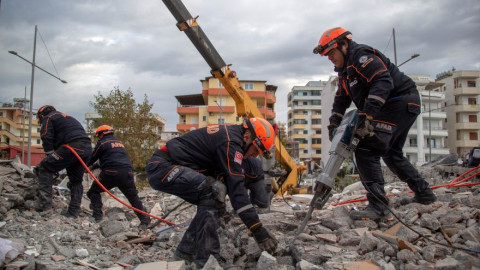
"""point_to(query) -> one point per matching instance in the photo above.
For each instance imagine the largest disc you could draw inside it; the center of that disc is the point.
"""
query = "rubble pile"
(331, 240)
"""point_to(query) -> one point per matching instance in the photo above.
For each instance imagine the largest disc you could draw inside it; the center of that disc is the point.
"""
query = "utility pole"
(394, 46)
(30, 115)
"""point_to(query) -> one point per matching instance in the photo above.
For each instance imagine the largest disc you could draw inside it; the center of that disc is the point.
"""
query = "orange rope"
(454, 183)
(109, 193)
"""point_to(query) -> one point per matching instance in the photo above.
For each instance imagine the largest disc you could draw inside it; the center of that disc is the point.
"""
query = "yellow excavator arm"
(244, 105)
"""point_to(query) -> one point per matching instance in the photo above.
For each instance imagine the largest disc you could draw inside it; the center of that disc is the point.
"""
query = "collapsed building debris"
(443, 235)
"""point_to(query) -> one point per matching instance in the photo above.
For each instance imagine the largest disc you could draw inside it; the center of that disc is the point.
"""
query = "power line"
(48, 52)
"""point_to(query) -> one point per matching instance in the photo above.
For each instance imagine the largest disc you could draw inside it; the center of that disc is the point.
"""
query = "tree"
(133, 122)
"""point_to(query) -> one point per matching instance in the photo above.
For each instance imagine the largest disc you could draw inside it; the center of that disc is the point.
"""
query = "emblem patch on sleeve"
(238, 157)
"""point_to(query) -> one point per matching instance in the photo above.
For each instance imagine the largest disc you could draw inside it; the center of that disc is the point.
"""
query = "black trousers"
(201, 238)
(61, 159)
(123, 180)
(391, 128)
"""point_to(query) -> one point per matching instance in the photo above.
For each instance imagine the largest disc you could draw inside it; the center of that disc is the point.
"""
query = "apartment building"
(215, 105)
(305, 119)
(14, 127)
(462, 96)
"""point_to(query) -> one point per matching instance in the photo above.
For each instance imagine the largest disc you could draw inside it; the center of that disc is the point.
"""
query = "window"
(316, 102)
(1, 114)
(248, 86)
(316, 141)
(413, 142)
(204, 118)
(471, 84)
(305, 132)
(318, 131)
(472, 118)
(221, 120)
(38, 130)
(305, 151)
(237, 119)
(304, 94)
(431, 142)
(473, 136)
(305, 103)
(38, 141)
(472, 101)
(318, 151)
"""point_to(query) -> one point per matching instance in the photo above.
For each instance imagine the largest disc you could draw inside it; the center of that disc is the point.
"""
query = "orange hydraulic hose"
(454, 183)
(109, 193)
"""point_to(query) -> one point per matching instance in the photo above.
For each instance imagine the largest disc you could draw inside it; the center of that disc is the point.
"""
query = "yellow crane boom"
(244, 105)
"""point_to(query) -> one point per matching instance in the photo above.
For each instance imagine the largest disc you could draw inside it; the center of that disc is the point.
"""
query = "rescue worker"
(110, 155)
(188, 166)
(57, 130)
(388, 104)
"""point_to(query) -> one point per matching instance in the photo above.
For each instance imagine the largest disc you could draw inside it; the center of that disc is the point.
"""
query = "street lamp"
(411, 57)
(31, 91)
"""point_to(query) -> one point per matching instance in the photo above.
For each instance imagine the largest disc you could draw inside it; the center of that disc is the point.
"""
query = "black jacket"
(217, 150)
(59, 129)
(368, 79)
(111, 153)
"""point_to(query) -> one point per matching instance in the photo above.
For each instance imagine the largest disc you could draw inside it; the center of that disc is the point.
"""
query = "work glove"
(265, 240)
(364, 128)
(332, 128)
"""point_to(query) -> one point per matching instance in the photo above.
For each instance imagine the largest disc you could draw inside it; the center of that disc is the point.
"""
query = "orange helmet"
(103, 130)
(263, 133)
(44, 110)
(330, 39)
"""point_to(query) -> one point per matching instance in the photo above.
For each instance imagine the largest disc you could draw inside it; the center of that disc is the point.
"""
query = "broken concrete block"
(305, 265)
(367, 243)
(429, 221)
(447, 264)
(267, 262)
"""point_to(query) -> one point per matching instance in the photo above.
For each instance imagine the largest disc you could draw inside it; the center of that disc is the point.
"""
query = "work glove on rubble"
(331, 131)
(364, 127)
(265, 240)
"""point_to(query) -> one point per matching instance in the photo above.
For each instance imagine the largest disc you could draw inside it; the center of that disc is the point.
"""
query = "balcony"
(187, 110)
(267, 113)
(468, 125)
(466, 91)
(467, 108)
(316, 145)
(186, 127)
(225, 109)
(434, 115)
(466, 74)
(468, 144)
(316, 126)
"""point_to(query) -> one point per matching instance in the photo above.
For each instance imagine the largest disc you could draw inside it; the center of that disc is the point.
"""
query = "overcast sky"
(97, 45)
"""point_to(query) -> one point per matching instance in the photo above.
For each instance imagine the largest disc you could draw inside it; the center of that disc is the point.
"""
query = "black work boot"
(182, 256)
(369, 213)
(67, 214)
(425, 197)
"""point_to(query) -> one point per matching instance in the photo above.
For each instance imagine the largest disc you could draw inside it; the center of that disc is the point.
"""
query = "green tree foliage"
(133, 122)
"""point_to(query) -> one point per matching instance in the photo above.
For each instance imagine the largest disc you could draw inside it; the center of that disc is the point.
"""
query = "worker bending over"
(188, 167)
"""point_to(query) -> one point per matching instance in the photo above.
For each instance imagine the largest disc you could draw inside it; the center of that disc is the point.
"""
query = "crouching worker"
(185, 166)
(116, 172)
(58, 130)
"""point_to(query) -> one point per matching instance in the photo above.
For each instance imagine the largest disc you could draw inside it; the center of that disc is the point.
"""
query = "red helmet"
(264, 135)
(103, 130)
(44, 110)
(330, 39)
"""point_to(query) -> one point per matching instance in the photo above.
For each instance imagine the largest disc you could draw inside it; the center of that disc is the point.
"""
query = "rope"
(109, 193)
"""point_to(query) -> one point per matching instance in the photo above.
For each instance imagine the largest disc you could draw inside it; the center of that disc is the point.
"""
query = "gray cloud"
(97, 45)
